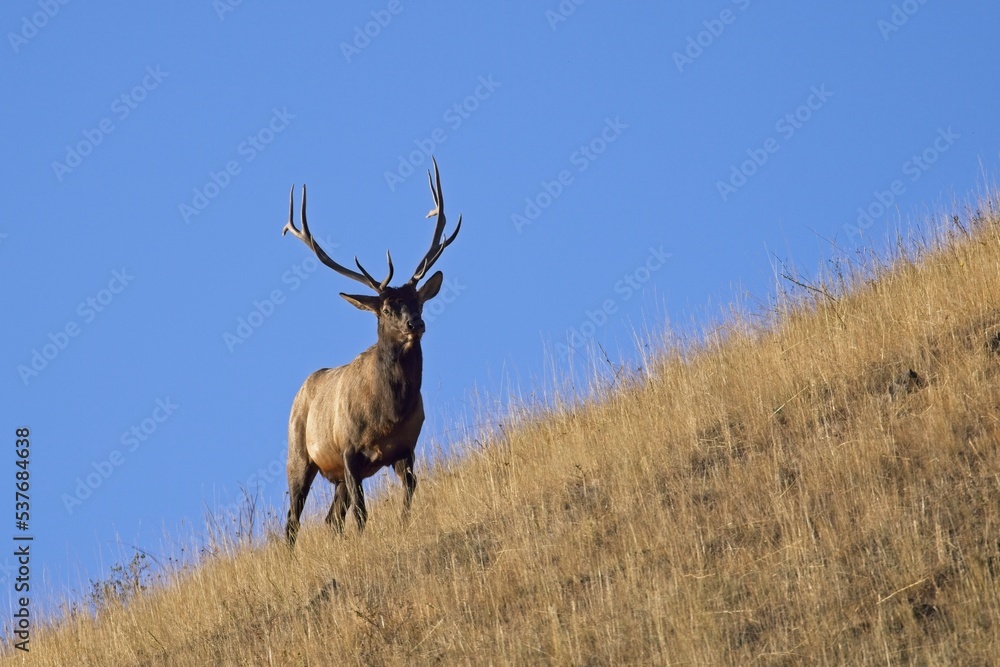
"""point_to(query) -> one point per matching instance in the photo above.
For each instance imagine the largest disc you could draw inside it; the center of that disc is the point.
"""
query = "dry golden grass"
(788, 495)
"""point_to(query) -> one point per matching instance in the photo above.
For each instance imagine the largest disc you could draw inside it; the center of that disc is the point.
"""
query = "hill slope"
(824, 491)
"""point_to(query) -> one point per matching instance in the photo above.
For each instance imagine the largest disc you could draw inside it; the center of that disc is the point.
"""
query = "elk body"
(347, 423)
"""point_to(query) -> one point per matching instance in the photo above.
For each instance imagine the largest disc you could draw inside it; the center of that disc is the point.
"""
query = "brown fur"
(347, 423)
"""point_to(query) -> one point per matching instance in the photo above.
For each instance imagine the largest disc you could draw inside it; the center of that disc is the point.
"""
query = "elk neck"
(400, 367)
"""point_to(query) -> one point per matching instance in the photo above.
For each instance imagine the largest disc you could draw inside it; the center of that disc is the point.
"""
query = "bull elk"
(349, 422)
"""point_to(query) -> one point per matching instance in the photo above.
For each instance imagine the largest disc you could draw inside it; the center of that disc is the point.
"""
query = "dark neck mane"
(400, 368)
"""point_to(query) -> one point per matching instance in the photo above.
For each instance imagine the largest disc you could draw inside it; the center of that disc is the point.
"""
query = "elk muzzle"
(415, 327)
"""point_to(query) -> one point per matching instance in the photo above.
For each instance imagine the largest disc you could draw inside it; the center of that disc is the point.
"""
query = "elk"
(351, 421)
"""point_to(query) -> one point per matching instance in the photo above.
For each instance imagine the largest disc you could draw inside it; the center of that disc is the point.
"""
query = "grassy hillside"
(822, 490)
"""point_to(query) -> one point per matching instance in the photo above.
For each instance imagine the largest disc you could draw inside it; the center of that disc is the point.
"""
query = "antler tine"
(306, 237)
(435, 189)
(290, 225)
(429, 261)
(385, 283)
(434, 252)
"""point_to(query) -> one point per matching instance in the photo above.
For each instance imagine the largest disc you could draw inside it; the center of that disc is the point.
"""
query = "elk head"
(398, 309)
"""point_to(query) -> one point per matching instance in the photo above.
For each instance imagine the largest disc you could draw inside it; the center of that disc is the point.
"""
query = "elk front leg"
(338, 508)
(301, 474)
(352, 480)
(404, 470)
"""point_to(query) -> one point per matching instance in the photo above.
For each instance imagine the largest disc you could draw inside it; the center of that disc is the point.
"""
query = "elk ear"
(431, 287)
(362, 301)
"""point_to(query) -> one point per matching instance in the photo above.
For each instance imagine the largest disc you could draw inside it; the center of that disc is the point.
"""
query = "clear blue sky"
(624, 164)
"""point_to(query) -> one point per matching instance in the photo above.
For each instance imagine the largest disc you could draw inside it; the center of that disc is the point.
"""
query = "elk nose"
(416, 326)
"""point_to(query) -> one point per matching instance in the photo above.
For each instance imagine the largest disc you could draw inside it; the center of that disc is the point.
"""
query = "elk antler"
(436, 246)
(306, 237)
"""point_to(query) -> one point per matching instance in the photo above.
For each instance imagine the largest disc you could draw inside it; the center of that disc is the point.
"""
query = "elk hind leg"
(301, 474)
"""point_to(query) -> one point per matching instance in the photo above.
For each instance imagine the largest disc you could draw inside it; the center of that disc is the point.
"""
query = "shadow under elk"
(349, 422)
